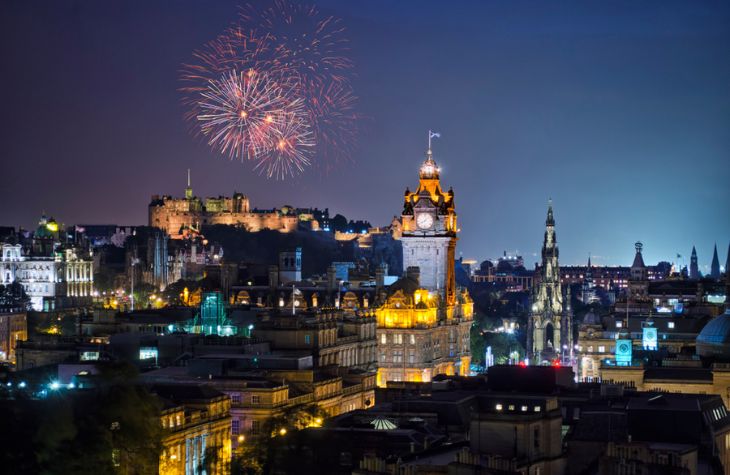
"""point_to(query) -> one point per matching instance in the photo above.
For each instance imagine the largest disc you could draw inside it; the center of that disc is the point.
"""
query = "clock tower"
(429, 232)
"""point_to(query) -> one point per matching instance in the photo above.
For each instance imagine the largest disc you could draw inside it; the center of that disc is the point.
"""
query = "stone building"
(52, 273)
(332, 336)
(13, 328)
(177, 216)
(196, 425)
(424, 323)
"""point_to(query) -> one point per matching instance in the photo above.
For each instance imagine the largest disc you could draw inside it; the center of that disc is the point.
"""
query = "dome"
(714, 339)
(381, 423)
(46, 228)
(429, 169)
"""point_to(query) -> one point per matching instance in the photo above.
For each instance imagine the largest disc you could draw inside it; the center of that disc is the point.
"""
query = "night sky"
(618, 110)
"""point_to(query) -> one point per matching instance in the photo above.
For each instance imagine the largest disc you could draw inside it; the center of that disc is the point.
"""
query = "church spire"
(715, 266)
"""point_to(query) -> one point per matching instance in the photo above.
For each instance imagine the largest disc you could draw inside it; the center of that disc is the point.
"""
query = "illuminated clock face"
(424, 221)
(623, 348)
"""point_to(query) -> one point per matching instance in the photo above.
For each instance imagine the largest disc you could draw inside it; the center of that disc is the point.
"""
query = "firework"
(303, 45)
(235, 50)
(334, 120)
(241, 112)
(293, 146)
(274, 88)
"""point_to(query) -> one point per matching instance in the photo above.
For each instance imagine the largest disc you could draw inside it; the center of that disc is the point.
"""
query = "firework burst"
(275, 88)
(293, 146)
(240, 113)
(304, 45)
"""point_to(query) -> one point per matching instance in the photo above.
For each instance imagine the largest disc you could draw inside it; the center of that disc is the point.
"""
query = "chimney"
(380, 276)
(332, 278)
(414, 272)
(273, 276)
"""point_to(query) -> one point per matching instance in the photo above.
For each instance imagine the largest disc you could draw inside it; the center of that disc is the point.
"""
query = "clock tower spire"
(429, 230)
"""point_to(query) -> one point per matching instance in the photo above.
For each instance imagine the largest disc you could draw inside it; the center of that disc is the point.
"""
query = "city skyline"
(641, 156)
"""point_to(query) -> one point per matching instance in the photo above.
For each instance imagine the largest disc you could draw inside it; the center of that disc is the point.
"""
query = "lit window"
(601, 349)
(619, 324)
(511, 407)
(537, 408)
(524, 408)
(383, 339)
(498, 407)
(307, 339)
(670, 324)
(413, 339)
(255, 399)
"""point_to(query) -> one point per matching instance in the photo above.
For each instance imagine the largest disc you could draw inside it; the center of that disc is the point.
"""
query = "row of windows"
(397, 339)
(511, 407)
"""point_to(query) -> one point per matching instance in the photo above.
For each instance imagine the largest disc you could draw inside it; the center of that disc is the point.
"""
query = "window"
(413, 339)
(511, 407)
(601, 349)
(397, 356)
(236, 398)
(537, 408)
(235, 426)
(255, 427)
(412, 357)
(398, 338)
(255, 399)
(383, 357)
(307, 339)
(524, 408)
(383, 339)
(670, 324)
(498, 407)
(619, 324)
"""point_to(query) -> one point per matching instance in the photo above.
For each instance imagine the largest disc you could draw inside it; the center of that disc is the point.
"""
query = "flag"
(433, 134)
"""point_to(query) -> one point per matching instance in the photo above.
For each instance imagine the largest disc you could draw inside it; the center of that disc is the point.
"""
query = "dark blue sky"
(618, 110)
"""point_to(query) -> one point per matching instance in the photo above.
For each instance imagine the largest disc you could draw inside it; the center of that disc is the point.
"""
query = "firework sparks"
(240, 113)
(305, 45)
(274, 88)
(292, 148)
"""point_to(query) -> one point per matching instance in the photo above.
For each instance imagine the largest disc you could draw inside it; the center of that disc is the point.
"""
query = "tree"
(339, 223)
(84, 432)
(13, 295)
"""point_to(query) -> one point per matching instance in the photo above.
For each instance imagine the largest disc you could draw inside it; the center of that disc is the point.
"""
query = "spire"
(589, 261)
(638, 258)
(550, 221)
(715, 266)
(189, 189)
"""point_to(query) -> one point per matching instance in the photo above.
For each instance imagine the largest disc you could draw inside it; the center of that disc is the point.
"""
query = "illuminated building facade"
(196, 425)
(50, 273)
(423, 324)
(550, 322)
(13, 328)
(178, 215)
